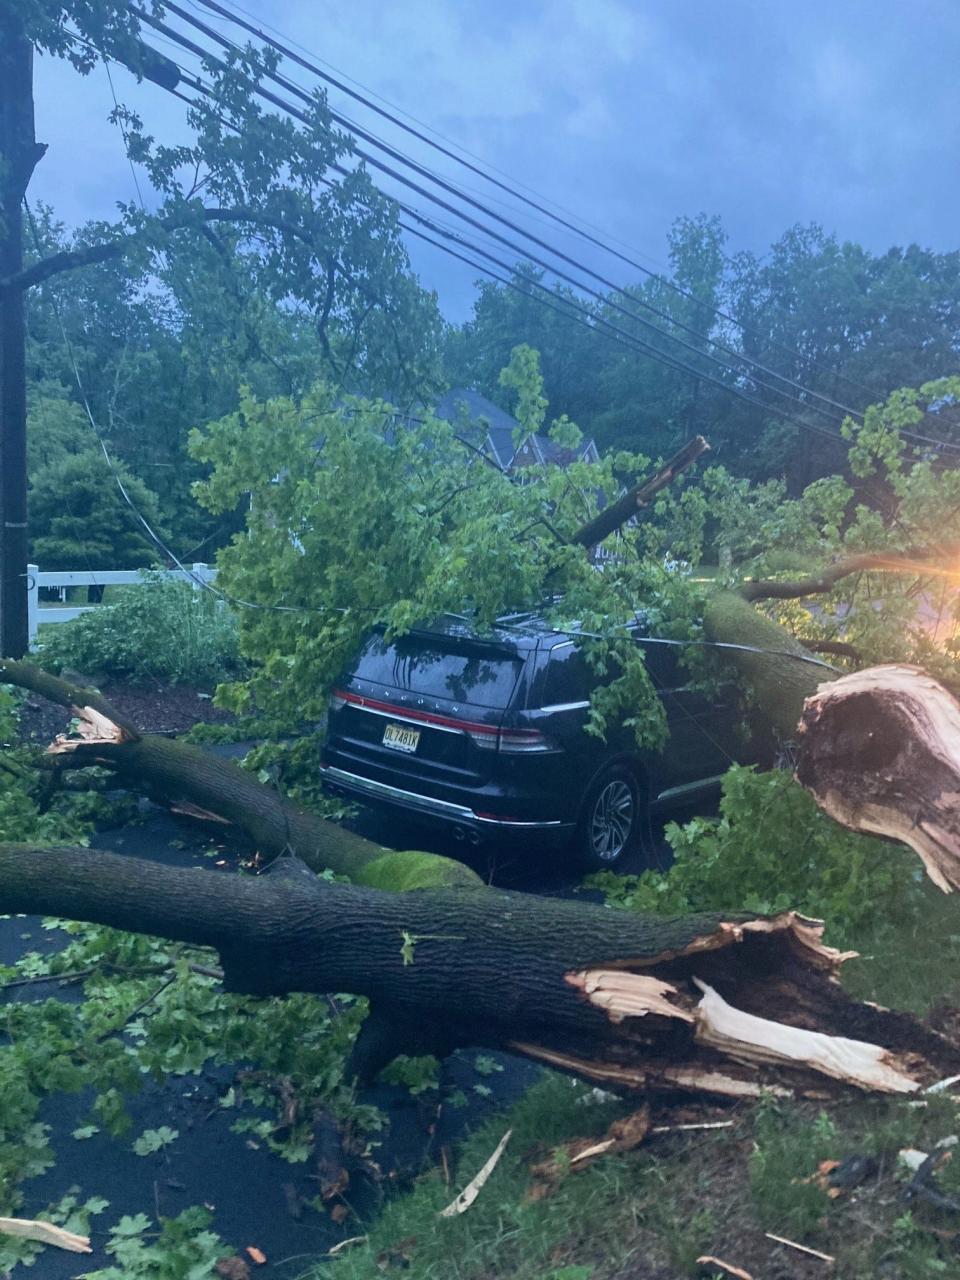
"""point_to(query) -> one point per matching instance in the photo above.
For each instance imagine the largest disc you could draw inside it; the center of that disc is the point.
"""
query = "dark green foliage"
(162, 629)
(834, 317)
(80, 520)
(771, 849)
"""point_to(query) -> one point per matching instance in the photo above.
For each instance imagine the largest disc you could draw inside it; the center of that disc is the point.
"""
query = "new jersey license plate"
(400, 738)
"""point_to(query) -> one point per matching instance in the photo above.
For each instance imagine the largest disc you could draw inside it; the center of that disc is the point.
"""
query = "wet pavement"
(257, 1198)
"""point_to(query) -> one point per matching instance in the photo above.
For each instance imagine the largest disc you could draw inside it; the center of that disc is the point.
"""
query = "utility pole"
(19, 153)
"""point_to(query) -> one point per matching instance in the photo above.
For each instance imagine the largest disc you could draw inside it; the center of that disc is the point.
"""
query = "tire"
(613, 820)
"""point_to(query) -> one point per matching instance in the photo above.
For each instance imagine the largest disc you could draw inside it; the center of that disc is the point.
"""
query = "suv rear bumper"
(456, 815)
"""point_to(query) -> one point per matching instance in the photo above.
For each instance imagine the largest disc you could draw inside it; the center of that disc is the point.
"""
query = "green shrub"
(771, 849)
(160, 629)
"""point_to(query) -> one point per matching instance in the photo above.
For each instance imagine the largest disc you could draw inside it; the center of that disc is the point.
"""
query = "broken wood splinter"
(45, 1233)
(800, 1248)
(473, 1188)
(708, 1260)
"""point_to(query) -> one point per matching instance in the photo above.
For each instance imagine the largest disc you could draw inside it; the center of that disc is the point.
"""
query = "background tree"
(83, 520)
(264, 255)
(845, 323)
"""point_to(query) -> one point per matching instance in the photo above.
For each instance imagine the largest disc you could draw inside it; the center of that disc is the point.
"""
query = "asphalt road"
(250, 1191)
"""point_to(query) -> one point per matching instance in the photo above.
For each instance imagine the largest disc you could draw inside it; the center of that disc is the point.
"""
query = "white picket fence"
(60, 579)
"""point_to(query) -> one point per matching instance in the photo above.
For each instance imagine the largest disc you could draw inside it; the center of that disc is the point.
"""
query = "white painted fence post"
(33, 602)
(204, 573)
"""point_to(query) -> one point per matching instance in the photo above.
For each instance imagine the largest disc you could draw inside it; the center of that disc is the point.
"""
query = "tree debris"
(45, 1233)
(624, 1134)
(349, 1243)
(473, 1188)
(728, 1269)
(920, 1186)
(800, 1248)
(880, 753)
(748, 1038)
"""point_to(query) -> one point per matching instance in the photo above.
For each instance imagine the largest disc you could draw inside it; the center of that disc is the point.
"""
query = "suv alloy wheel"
(613, 818)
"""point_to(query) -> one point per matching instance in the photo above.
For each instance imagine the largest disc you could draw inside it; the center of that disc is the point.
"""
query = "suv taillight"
(489, 737)
(515, 741)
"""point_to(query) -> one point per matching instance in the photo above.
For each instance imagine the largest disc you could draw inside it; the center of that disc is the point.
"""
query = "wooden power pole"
(19, 153)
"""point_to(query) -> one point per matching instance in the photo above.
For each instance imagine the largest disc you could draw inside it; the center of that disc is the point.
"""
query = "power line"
(595, 323)
(290, 109)
(311, 66)
(457, 193)
(578, 312)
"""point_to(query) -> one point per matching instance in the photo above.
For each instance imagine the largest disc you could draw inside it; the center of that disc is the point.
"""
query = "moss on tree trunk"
(781, 676)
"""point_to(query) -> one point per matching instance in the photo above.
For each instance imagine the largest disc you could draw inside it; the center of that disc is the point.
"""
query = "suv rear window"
(440, 671)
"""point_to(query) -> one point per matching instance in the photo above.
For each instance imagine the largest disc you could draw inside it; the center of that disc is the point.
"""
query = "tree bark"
(920, 560)
(16, 281)
(722, 1003)
(778, 671)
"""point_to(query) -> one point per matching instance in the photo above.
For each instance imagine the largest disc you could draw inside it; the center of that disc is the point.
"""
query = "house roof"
(500, 426)
(501, 429)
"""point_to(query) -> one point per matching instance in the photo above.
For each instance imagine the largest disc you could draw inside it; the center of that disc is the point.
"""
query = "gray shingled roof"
(500, 428)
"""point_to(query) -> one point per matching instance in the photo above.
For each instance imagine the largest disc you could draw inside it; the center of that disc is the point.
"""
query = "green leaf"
(152, 1140)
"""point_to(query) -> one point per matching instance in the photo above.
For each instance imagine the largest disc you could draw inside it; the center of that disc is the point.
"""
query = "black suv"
(485, 734)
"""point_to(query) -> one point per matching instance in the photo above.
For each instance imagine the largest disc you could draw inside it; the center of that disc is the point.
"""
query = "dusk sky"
(626, 112)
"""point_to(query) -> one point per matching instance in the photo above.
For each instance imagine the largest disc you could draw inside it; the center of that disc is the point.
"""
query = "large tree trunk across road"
(724, 1004)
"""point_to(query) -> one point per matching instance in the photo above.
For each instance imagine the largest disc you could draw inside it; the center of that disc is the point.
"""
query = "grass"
(649, 1214)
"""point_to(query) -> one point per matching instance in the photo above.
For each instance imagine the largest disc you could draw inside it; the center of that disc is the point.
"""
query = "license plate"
(400, 738)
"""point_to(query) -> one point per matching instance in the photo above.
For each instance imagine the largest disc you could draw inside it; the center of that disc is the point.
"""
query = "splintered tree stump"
(719, 1004)
(880, 753)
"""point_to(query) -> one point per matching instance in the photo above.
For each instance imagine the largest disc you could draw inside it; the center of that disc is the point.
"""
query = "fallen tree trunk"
(611, 518)
(779, 672)
(192, 781)
(723, 1003)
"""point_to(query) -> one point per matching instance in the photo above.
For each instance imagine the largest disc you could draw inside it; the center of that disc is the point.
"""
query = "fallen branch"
(922, 560)
(513, 971)
(619, 512)
(190, 780)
